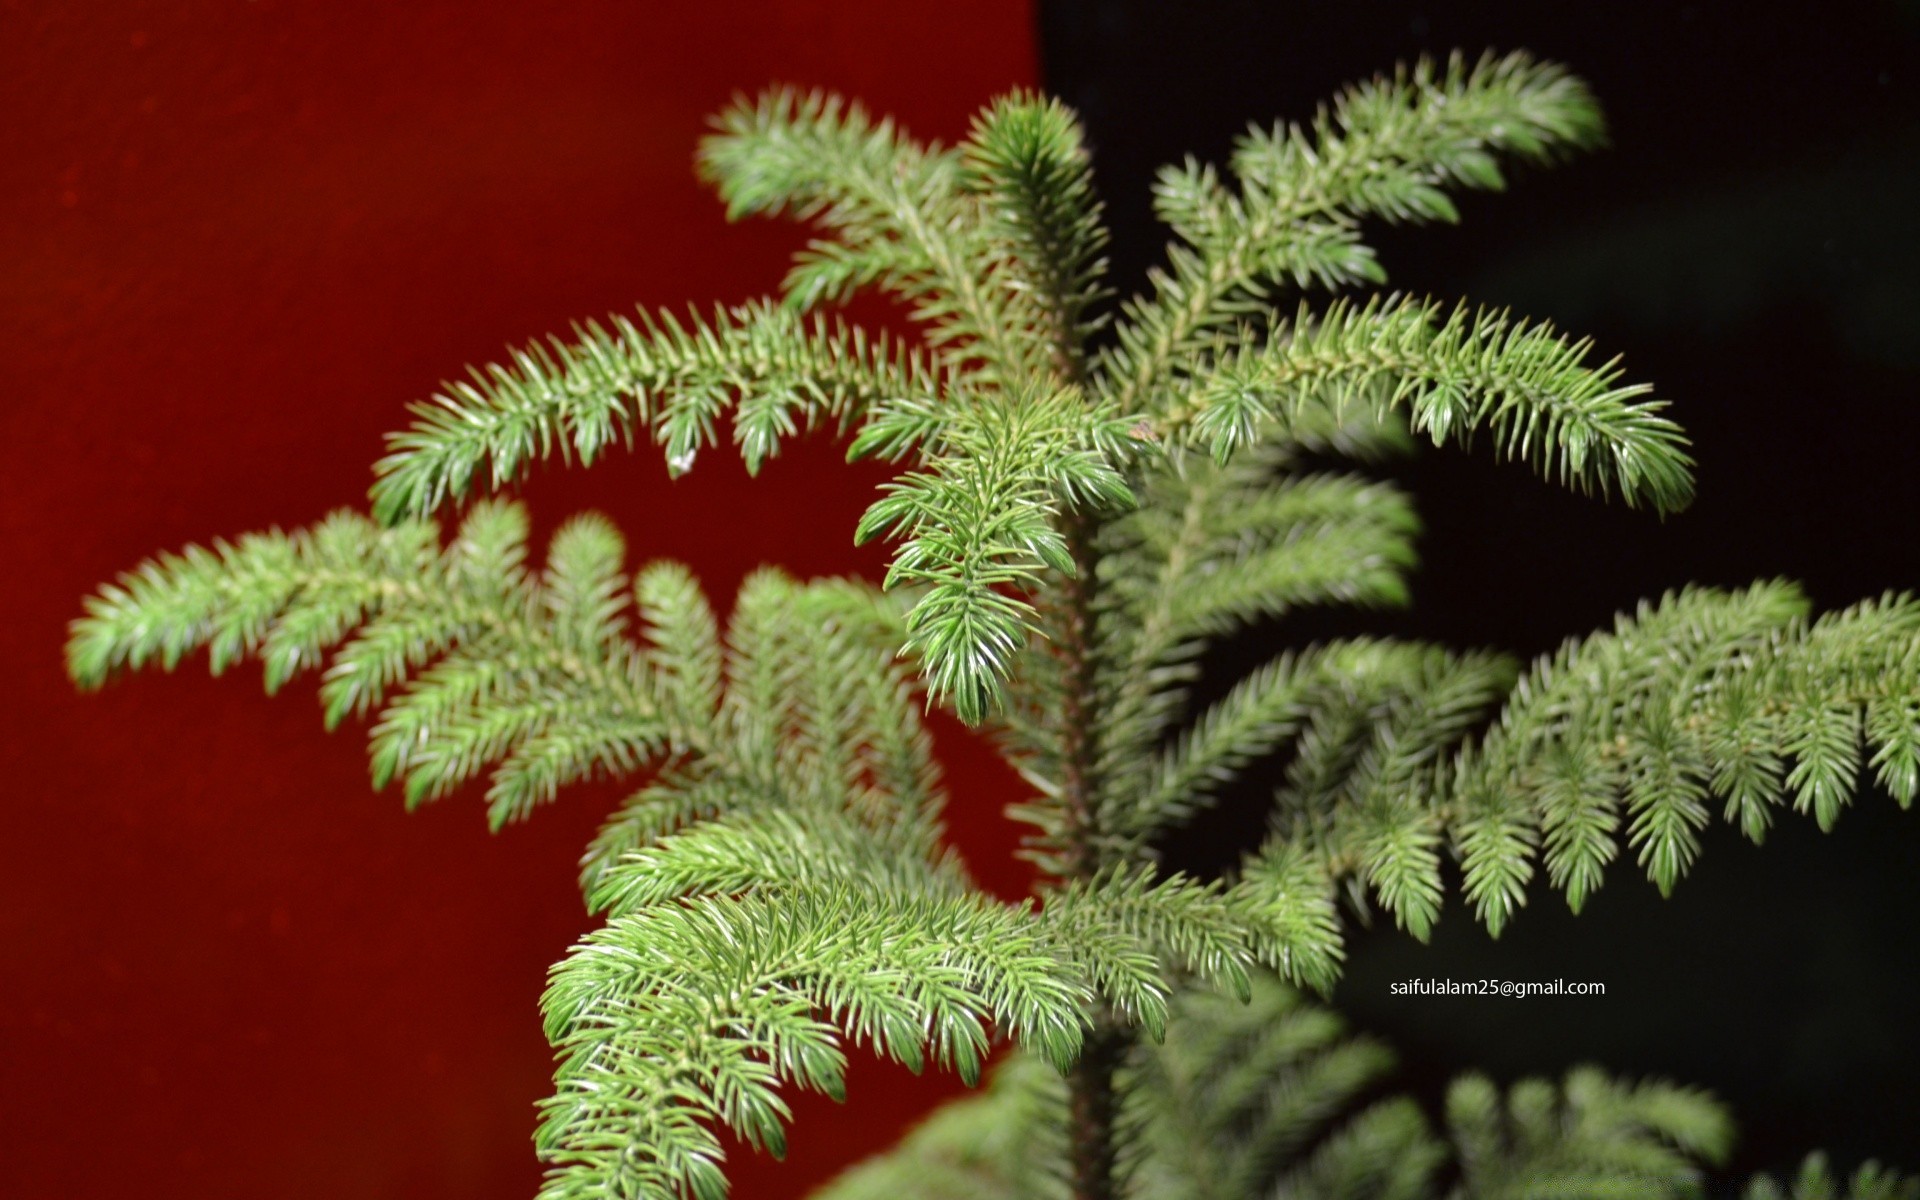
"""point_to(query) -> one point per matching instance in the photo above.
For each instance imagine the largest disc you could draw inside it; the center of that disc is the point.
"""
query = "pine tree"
(1088, 493)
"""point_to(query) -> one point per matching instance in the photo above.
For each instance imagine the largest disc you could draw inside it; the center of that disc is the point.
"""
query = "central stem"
(1092, 1104)
(1092, 1108)
(1077, 750)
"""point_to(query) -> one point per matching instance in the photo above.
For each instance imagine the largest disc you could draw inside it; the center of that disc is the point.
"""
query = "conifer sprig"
(1134, 932)
(1027, 160)
(1738, 697)
(900, 215)
(675, 1017)
(1592, 1136)
(1300, 538)
(1456, 374)
(981, 524)
(1241, 1091)
(532, 676)
(1387, 148)
(774, 371)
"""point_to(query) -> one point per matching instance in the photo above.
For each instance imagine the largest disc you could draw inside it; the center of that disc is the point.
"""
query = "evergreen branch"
(1264, 1099)
(1364, 793)
(779, 371)
(534, 675)
(1026, 732)
(1815, 1181)
(1286, 896)
(1200, 294)
(1387, 148)
(798, 655)
(1130, 619)
(999, 1144)
(1026, 159)
(1708, 694)
(766, 849)
(550, 742)
(1358, 795)
(1270, 540)
(826, 271)
(1494, 837)
(1384, 1153)
(1259, 714)
(827, 708)
(1240, 1090)
(780, 885)
(562, 729)
(820, 157)
(817, 719)
(1134, 932)
(843, 694)
(858, 674)
(537, 679)
(583, 588)
(1592, 1136)
(230, 598)
(487, 558)
(1374, 719)
(1398, 703)
(1053, 724)
(1394, 843)
(548, 716)
(980, 522)
(685, 638)
(764, 662)
(898, 211)
(1359, 562)
(678, 1017)
(1528, 386)
(681, 796)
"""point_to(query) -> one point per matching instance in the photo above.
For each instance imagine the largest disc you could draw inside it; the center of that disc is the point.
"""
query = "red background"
(239, 238)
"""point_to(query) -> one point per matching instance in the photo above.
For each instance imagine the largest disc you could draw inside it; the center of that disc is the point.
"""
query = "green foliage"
(1592, 1136)
(1027, 161)
(981, 520)
(1241, 1095)
(902, 215)
(1708, 695)
(1134, 933)
(1816, 1181)
(776, 371)
(995, 246)
(473, 660)
(1274, 1096)
(1087, 496)
(1388, 148)
(678, 1014)
(1455, 373)
(1002, 1143)
(787, 852)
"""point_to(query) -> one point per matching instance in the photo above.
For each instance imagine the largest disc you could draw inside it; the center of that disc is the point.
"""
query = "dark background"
(1749, 245)
(241, 237)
